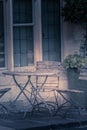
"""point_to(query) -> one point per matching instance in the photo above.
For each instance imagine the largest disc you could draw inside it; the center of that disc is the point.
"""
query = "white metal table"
(35, 91)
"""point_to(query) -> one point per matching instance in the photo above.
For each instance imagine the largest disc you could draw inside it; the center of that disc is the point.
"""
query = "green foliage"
(74, 61)
(75, 11)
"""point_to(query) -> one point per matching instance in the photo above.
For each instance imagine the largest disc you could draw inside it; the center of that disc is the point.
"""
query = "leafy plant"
(74, 61)
(75, 11)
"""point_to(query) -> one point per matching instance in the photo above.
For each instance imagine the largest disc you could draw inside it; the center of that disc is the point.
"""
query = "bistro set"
(44, 81)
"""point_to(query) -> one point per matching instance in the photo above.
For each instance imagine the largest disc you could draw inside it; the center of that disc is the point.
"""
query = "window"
(23, 33)
(51, 30)
(29, 32)
(2, 52)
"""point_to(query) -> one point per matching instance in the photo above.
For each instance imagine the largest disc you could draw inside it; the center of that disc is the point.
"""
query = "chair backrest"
(50, 66)
(3, 91)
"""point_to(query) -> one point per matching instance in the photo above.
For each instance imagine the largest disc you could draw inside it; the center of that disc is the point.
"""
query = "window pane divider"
(23, 24)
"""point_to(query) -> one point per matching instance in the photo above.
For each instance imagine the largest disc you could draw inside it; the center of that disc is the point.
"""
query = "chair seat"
(4, 90)
(69, 91)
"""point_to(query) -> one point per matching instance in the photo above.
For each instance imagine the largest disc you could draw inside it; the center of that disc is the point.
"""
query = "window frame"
(5, 52)
(25, 24)
(37, 34)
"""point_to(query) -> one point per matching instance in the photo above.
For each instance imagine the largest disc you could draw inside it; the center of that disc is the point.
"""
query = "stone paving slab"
(35, 122)
(6, 128)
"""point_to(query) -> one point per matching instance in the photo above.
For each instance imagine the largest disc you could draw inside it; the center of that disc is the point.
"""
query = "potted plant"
(74, 61)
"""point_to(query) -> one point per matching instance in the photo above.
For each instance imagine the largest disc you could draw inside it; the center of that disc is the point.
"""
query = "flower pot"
(73, 75)
(75, 83)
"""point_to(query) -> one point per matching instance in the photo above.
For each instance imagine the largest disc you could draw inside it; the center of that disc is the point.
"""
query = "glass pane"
(22, 11)
(17, 60)
(45, 45)
(23, 59)
(46, 56)
(2, 53)
(53, 56)
(51, 30)
(23, 46)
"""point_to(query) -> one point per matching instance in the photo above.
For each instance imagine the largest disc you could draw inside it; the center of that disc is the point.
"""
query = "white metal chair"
(3, 108)
(51, 87)
(49, 83)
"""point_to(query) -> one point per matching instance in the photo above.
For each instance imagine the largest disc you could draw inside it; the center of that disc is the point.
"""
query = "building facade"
(31, 31)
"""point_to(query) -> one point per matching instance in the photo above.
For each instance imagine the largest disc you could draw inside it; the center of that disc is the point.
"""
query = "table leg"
(22, 89)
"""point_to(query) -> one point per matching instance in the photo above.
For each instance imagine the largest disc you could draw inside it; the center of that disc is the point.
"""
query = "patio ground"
(43, 121)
